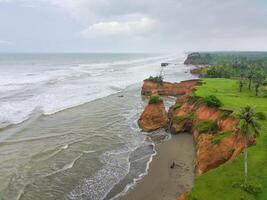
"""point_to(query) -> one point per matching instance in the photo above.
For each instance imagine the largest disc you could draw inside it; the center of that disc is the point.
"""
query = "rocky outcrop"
(169, 89)
(164, 64)
(153, 117)
(198, 59)
(181, 118)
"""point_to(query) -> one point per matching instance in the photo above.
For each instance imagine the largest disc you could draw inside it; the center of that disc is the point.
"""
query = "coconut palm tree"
(248, 127)
(241, 81)
(258, 79)
(250, 74)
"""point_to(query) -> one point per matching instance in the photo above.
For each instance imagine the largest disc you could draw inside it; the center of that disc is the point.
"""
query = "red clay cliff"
(169, 89)
(153, 117)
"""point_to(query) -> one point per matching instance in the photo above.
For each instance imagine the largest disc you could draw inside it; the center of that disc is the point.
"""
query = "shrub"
(224, 115)
(207, 126)
(260, 116)
(212, 100)
(178, 119)
(155, 79)
(252, 188)
(176, 106)
(193, 99)
(155, 100)
(218, 138)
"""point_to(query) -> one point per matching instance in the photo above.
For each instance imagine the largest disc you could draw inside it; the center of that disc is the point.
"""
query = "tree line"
(250, 73)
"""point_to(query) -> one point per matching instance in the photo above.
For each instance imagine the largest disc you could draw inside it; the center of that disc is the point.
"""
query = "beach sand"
(162, 182)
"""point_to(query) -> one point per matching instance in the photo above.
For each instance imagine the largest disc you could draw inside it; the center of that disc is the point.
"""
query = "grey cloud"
(180, 24)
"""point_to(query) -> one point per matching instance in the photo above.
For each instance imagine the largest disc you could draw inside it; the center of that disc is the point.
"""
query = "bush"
(260, 116)
(193, 99)
(252, 188)
(212, 100)
(176, 106)
(218, 138)
(178, 119)
(155, 100)
(207, 126)
(155, 79)
(224, 115)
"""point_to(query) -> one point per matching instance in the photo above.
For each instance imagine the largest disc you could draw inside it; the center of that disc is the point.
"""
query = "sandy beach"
(162, 182)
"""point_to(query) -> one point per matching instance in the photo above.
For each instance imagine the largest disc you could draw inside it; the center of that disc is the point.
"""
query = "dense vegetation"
(226, 181)
(200, 58)
(155, 79)
(249, 68)
(207, 126)
(212, 100)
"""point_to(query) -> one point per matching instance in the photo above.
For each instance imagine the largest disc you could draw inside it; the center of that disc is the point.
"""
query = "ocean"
(69, 123)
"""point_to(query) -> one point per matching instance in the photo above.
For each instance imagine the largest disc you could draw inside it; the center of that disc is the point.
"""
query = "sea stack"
(154, 115)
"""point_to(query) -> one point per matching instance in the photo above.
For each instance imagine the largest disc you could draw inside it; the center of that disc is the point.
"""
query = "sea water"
(69, 123)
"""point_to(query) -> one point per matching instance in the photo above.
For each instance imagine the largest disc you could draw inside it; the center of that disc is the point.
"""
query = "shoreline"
(162, 182)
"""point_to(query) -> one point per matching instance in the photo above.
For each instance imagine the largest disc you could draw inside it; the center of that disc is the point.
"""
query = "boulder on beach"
(164, 64)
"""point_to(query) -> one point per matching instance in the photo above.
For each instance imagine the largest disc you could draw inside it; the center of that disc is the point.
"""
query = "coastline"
(163, 182)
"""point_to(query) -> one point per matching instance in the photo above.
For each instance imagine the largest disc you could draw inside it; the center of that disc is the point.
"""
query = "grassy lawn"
(217, 184)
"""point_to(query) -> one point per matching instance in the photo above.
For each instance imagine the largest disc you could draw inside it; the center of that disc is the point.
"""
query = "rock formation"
(153, 117)
(168, 89)
(213, 148)
(198, 59)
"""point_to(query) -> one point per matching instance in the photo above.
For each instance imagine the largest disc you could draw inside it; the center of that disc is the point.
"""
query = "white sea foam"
(116, 166)
(44, 89)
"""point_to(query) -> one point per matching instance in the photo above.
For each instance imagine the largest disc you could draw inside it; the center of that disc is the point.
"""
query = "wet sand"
(162, 182)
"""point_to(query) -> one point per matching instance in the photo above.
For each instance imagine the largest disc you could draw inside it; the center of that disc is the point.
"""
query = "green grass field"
(217, 184)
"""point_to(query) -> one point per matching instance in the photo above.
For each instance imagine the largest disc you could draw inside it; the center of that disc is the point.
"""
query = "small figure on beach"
(172, 165)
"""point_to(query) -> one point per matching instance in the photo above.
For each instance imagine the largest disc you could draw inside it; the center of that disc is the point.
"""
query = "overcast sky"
(132, 25)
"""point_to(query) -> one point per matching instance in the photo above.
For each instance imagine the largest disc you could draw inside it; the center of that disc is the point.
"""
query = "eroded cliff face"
(168, 89)
(153, 117)
(213, 147)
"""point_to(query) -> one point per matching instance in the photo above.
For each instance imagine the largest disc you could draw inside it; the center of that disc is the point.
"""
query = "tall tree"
(241, 81)
(250, 74)
(258, 79)
(248, 126)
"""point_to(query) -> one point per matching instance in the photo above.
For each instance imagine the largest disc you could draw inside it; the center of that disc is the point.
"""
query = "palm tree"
(250, 74)
(248, 126)
(258, 79)
(241, 82)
